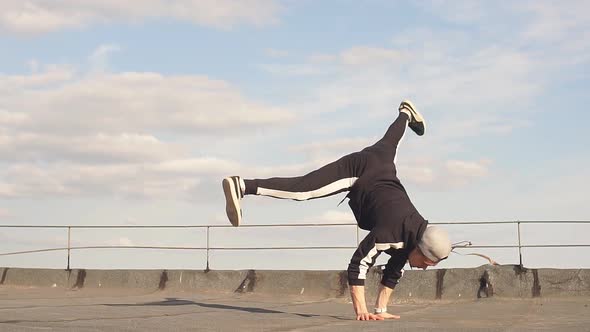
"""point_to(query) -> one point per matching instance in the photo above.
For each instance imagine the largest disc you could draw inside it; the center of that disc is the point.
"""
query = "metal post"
(69, 246)
(207, 269)
(519, 245)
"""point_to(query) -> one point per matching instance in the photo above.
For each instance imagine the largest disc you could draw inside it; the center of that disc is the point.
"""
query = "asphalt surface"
(55, 309)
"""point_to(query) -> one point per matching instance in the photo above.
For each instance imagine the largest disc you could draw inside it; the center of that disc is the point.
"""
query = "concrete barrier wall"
(441, 284)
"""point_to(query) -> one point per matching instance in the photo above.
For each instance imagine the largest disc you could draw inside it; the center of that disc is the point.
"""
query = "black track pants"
(335, 177)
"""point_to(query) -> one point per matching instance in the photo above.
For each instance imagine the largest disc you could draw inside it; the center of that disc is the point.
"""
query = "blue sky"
(131, 114)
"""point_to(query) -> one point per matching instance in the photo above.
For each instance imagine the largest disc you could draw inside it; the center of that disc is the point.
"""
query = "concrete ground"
(56, 309)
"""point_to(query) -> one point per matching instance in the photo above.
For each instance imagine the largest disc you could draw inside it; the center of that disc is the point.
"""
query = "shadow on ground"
(179, 302)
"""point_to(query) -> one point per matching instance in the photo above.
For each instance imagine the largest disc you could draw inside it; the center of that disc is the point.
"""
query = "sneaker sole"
(417, 116)
(232, 202)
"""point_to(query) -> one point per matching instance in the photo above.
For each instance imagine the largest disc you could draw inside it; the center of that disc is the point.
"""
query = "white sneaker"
(417, 123)
(232, 188)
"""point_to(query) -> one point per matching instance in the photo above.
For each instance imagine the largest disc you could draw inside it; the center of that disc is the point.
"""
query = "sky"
(131, 113)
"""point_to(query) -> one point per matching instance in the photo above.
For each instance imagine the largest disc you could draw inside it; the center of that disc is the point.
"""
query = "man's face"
(417, 259)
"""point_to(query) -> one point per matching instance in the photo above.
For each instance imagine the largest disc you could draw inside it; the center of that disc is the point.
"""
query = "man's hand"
(368, 316)
(386, 315)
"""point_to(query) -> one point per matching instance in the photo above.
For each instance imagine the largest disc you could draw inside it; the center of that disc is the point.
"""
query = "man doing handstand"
(379, 203)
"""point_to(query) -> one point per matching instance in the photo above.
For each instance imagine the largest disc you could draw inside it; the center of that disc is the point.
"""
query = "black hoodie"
(381, 205)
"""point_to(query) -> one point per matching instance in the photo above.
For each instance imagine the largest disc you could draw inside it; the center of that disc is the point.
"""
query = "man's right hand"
(368, 316)
(387, 315)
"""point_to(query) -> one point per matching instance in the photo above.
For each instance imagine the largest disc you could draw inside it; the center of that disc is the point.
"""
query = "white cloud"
(459, 11)
(467, 169)
(206, 165)
(479, 125)
(468, 67)
(418, 174)
(550, 28)
(100, 57)
(366, 57)
(560, 197)
(12, 118)
(554, 21)
(67, 179)
(432, 170)
(7, 190)
(51, 75)
(423, 67)
(183, 179)
(123, 134)
(41, 16)
(289, 170)
(443, 174)
(333, 147)
(94, 148)
(471, 82)
(56, 100)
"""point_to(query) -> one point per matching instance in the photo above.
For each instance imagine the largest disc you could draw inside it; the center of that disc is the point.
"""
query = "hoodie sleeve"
(378, 240)
(363, 258)
(394, 268)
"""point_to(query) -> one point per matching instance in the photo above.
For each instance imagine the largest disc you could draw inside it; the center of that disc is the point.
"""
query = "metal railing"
(209, 248)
